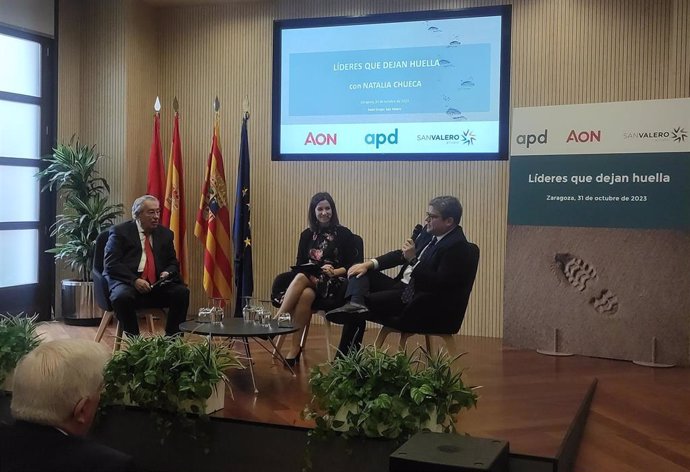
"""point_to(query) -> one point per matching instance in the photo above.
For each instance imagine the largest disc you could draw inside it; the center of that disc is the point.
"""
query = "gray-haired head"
(448, 207)
(138, 204)
(51, 380)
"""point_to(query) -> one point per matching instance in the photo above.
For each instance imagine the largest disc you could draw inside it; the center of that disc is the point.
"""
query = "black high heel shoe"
(293, 361)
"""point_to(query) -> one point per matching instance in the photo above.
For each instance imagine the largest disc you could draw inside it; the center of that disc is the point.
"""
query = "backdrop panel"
(598, 238)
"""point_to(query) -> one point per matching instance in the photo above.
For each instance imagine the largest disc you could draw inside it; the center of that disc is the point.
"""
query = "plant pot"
(343, 411)
(213, 403)
(431, 424)
(78, 304)
(341, 415)
(217, 399)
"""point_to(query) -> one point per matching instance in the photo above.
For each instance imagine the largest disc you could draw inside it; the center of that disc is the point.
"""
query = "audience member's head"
(59, 384)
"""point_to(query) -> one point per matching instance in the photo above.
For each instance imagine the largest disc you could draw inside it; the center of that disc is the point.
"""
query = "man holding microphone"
(434, 264)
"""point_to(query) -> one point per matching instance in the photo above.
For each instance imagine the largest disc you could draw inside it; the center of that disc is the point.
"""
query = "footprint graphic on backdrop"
(582, 276)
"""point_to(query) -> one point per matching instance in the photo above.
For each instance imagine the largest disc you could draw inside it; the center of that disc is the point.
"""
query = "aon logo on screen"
(321, 139)
(379, 139)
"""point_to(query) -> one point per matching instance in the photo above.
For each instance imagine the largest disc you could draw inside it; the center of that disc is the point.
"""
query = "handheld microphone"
(416, 232)
(164, 280)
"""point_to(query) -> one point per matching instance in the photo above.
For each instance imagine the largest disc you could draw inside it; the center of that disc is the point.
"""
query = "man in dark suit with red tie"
(437, 262)
(142, 270)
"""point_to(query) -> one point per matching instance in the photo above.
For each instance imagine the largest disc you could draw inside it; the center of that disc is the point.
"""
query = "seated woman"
(330, 246)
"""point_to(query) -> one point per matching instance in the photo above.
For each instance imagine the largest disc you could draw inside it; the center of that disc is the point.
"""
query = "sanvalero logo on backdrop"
(532, 139)
(380, 139)
(321, 139)
(468, 138)
(677, 134)
(587, 136)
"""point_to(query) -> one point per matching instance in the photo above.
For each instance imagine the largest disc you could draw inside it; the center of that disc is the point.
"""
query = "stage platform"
(637, 420)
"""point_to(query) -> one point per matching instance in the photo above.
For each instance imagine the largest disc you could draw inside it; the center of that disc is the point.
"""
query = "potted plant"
(71, 171)
(168, 374)
(371, 393)
(18, 337)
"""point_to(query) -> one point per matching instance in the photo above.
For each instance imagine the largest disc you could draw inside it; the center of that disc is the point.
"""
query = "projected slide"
(424, 87)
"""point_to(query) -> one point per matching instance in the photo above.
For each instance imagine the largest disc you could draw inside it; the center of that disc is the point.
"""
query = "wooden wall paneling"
(141, 82)
(563, 51)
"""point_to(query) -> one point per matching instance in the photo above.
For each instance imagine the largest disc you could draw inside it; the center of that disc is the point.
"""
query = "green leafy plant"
(18, 337)
(71, 170)
(372, 393)
(164, 373)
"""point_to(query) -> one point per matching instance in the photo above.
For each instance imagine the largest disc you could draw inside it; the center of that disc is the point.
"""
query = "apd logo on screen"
(381, 139)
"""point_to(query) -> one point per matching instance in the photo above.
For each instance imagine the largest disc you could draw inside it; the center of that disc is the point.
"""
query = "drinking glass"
(263, 316)
(247, 311)
(204, 315)
(217, 314)
(285, 320)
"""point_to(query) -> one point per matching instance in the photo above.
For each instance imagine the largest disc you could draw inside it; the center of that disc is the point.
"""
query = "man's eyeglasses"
(432, 216)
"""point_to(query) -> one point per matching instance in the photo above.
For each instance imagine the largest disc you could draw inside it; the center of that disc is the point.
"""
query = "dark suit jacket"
(441, 280)
(123, 252)
(33, 447)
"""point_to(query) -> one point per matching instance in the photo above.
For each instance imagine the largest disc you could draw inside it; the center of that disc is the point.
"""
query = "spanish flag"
(174, 206)
(213, 225)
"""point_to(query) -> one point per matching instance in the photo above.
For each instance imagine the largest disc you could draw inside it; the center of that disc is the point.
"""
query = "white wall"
(36, 16)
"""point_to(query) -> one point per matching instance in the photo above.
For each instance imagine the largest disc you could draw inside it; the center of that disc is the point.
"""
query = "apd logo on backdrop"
(528, 140)
(677, 135)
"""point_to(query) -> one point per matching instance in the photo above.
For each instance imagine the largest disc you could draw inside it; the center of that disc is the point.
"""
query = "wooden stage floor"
(639, 419)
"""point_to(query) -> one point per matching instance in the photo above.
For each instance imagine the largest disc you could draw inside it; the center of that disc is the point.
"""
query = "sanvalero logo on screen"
(379, 139)
(468, 137)
(321, 139)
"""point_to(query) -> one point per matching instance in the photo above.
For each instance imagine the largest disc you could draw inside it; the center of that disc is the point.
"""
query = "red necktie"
(150, 265)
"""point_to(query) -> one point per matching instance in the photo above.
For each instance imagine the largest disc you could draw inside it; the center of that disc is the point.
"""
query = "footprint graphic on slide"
(574, 270)
(605, 303)
(582, 276)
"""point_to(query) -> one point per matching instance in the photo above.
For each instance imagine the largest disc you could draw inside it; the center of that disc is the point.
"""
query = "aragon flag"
(212, 226)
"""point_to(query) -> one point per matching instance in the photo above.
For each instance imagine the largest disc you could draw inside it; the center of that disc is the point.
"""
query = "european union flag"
(241, 229)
